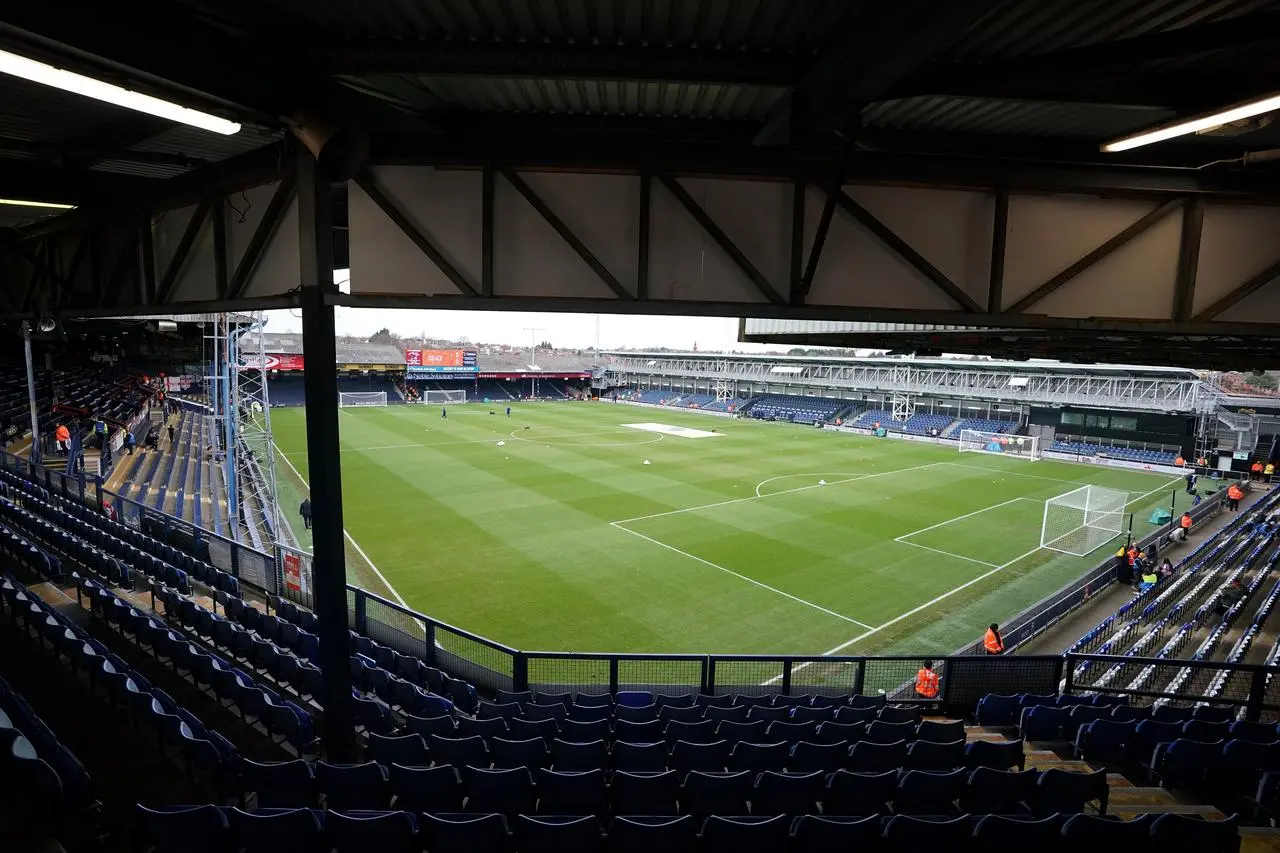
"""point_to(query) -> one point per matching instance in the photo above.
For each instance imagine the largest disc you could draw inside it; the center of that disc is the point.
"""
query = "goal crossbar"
(1082, 520)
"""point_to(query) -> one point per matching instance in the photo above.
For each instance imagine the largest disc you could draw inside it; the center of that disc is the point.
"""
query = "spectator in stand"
(1229, 596)
(1149, 579)
(62, 436)
(305, 511)
(129, 441)
(153, 438)
(1166, 568)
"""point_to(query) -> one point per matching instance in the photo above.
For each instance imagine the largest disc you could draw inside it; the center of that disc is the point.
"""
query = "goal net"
(1083, 520)
(361, 398)
(438, 397)
(978, 441)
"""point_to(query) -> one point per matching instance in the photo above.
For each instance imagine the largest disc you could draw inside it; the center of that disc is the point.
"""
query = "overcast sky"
(571, 331)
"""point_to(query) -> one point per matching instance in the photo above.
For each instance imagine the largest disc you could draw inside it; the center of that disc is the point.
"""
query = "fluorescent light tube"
(69, 81)
(19, 202)
(1195, 125)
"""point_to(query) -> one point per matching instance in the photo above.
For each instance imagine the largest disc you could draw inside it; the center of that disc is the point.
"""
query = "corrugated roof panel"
(1020, 28)
(1015, 118)
(776, 25)
(139, 170)
(202, 145)
(597, 97)
(35, 113)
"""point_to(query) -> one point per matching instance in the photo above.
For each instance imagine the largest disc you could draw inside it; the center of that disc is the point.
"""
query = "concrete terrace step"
(1130, 812)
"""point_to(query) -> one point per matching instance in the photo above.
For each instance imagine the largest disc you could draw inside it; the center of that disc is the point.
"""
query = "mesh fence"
(668, 676)
(965, 680)
(893, 677)
(746, 676)
(394, 627)
(569, 674)
(478, 661)
(825, 676)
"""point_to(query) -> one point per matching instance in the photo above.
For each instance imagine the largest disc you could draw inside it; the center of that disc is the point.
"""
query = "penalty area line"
(348, 536)
(912, 612)
(739, 575)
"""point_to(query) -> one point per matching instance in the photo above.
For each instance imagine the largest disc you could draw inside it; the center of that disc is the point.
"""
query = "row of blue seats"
(694, 714)
(643, 698)
(709, 731)
(1229, 755)
(279, 649)
(209, 829)
(523, 790)
(714, 756)
(578, 751)
(282, 718)
(1137, 454)
(42, 625)
(53, 541)
(42, 780)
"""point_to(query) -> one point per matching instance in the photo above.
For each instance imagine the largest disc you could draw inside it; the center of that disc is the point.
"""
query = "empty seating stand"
(794, 408)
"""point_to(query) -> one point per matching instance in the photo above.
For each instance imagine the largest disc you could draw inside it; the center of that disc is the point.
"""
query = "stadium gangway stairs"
(1204, 552)
(1238, 652)
(197, 498)
(170, 459)
(1117, 671)
(1210, 645)
(184, 471)
(1171, 649)
(1126, 632)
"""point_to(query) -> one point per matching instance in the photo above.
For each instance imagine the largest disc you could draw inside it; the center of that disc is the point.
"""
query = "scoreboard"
(441, 361)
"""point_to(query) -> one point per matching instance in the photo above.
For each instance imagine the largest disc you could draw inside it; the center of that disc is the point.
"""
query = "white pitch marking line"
(946, 553)
(773, 494)
(739, 575)
(354, 543)
(912, 612)
(906, 536)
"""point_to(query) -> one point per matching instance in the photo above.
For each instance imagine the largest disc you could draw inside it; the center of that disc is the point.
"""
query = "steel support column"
(329, 571)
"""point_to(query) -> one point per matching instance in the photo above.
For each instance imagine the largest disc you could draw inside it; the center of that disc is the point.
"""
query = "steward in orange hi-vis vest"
(992, 641)
(927, 681)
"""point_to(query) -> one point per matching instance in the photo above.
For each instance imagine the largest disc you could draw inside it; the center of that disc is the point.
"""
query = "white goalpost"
(347, 399)
(1017, 446)
(1081, 521)
(438, 397)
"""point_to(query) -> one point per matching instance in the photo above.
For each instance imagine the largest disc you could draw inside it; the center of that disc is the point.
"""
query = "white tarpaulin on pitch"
(678, 431)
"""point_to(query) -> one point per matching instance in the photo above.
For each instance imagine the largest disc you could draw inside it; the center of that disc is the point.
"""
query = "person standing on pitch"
(444, 413)
(508, 411)
(305, 511)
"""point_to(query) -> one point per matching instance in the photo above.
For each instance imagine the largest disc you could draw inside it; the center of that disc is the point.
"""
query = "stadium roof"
(950, 363)
(993, 83)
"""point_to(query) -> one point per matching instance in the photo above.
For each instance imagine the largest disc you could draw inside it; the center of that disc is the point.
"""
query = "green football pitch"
(562, 528)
